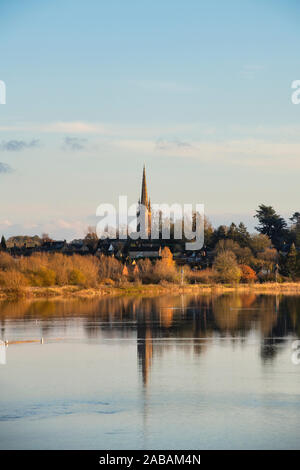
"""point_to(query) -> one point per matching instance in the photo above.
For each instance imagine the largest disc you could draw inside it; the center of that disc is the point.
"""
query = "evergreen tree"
(272, 225)
(292, 262)
(233, 232)
(3, 244)
(239, 234)
(295, 217)
(208, 233)
(243, 235)
(295, 228)
(219, 234)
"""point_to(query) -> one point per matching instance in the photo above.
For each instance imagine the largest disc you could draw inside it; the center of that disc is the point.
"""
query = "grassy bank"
(148, 289)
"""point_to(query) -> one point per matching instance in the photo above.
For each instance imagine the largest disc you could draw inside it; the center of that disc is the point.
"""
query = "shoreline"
(288, 288)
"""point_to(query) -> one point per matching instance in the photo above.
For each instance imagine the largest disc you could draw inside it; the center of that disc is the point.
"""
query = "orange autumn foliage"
(248, 274)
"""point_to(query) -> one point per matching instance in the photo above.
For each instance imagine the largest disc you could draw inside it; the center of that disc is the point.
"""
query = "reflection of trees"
(187, 320)
(227, 314)
(279, 319)
(268, 349)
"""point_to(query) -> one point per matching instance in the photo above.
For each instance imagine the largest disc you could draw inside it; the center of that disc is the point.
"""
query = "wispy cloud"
(245, 152)
(275, 147)
(18, 145)
(166, 86)
(74, 143)
(251, 70)
(125, 130)
(58, 127)
(57, 228)
(163, 144)
(75, 127)
(4, 168)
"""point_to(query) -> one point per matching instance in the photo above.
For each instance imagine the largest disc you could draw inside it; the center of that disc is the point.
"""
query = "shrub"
(243, 254)
(167, 257)
(109, 268)
(164, 271)
(6, 261)
(62, 265)
(205, 276)
(146, 270)
(108, 282)
(13, 280)
(77, 278)
(247, 273)
(226, 267)
(44, 277)
(32, 264)
(134, 274)
(89, 267)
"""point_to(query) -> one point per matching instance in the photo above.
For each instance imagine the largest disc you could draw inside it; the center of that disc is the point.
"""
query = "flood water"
(169, 372)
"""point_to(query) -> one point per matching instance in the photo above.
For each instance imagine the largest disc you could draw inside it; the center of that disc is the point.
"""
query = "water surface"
(173, 372)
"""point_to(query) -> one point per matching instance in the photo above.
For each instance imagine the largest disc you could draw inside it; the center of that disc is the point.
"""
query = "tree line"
(273, 253)
(230, 255)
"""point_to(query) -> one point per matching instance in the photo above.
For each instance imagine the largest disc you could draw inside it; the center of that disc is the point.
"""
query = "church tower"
(145, 203)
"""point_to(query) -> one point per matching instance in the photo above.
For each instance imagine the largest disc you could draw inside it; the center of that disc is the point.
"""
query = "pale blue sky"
(200, 91)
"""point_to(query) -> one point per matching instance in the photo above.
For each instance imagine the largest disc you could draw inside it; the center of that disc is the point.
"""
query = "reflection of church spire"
(144, 350)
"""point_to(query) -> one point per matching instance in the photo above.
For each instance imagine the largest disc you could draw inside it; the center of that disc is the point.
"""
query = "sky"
(198, 91)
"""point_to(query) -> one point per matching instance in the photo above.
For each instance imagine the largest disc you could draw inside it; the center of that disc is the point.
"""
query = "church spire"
(144, 208)
(144, 194)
